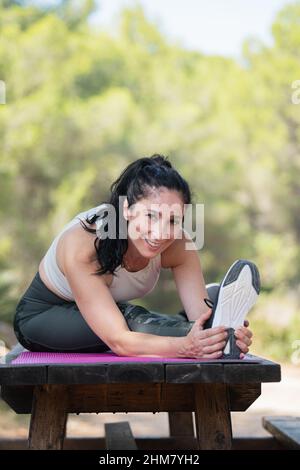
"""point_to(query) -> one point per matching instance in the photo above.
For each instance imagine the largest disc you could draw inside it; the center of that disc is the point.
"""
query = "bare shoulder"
(76, 244)
(175, 254)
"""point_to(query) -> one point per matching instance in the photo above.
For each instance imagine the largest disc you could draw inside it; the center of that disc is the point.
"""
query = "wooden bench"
(209, 390)
(285, 429)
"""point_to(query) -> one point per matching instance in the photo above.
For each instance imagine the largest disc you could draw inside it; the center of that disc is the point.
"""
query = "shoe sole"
(237, 294)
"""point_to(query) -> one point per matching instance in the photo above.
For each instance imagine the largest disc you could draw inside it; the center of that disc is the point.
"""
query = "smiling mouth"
(152, 244)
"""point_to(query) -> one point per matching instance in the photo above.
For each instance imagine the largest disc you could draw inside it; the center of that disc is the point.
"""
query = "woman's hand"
(243, 338)
(201, 343)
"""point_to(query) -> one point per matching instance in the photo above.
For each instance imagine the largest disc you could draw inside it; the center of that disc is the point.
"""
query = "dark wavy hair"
(135, 183)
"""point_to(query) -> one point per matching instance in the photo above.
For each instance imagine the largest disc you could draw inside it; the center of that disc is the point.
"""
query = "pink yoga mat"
(107, 357)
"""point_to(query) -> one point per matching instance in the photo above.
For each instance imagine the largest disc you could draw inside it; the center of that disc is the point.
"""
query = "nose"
(159, 233)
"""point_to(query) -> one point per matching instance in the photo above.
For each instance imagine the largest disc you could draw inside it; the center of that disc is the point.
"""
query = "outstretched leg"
(140, 319)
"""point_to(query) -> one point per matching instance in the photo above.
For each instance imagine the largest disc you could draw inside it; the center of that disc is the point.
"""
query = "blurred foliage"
(82, 103)
(276, 341)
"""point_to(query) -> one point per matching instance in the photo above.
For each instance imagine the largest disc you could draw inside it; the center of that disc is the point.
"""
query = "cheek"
(136, 229)
(177, 232)
(144, 227)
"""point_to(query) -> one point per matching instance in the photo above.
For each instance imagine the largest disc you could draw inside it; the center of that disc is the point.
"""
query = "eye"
(173, 221)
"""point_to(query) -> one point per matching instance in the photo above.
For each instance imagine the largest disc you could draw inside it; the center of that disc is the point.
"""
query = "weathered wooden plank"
(136, 372)
(213, 423)
(256, 443)
(77, 374)
(286, 429)
(114, 397)
(118, 436)
(132, 397)
(252, 373)
(94, 398)
(33, 374)
(177, 397)
(19, 397)
(241, 396)
(194, 373)
(260, 360)
(48, 417)
(181, 423)
(106, 373)
(122, 397)
(88, 398)
(36, 374)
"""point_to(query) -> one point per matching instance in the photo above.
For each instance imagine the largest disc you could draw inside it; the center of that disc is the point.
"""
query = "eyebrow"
(159, 213)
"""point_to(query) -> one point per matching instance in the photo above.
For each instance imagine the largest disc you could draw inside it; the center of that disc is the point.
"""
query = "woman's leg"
(144, 321)
(60, 328)
(212, 290)
(45, 322)
(140, 319)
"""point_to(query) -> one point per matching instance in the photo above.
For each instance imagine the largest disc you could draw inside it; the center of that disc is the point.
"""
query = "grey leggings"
(46, 322)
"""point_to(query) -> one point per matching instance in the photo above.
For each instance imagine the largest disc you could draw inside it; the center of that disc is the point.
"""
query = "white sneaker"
(237, 295)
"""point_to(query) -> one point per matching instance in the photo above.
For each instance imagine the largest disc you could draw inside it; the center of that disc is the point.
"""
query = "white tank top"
(125, 285)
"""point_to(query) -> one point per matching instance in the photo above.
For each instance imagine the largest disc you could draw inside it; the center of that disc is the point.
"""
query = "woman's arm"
(198, 343)
(190, 284)
(101, 313)
(188, 276)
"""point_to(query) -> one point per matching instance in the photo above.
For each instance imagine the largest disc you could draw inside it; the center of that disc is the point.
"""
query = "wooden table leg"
(181, 423)
(48, 417)
(212, 413)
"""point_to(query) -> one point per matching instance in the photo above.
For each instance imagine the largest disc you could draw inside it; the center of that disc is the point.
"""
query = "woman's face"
(155, 222)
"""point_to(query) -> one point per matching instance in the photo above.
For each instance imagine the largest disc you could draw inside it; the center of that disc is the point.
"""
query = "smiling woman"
(144, 186)
(78, 300)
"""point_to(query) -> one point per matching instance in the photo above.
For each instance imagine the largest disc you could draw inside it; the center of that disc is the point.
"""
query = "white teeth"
(154, 245)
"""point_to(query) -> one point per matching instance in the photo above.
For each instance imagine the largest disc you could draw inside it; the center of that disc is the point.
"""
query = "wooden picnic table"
(210, 390)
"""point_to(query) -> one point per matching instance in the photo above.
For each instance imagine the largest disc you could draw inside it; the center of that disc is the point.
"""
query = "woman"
(78, 299)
